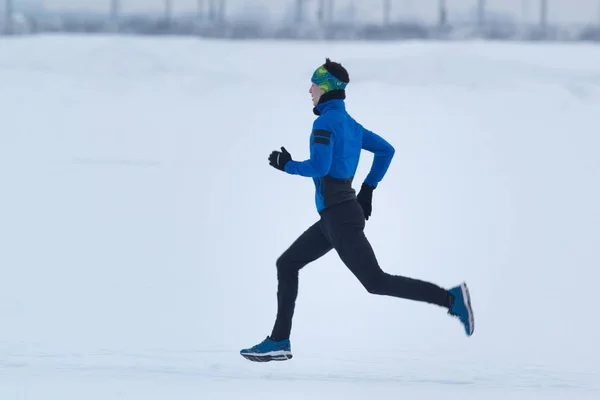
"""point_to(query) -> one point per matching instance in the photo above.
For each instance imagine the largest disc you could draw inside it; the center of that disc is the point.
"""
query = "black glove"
(365, 198)
(278, 159)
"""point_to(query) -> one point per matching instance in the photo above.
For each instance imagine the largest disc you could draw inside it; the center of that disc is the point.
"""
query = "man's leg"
(310, 246)
(345, 227)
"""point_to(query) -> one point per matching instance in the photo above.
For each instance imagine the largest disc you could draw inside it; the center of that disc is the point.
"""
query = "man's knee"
(281, 262)
(285, 265)
(374, 283)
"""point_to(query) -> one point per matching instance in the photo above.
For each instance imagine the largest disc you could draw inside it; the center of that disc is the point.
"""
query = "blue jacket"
(335, 144)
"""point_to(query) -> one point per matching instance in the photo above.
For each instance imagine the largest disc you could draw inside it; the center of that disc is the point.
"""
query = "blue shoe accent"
(269, 350)
(461, 307)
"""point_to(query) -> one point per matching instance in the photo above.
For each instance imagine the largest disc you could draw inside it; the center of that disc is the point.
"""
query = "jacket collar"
(330, 101)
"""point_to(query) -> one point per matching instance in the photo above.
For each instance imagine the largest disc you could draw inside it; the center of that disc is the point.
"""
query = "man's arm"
(383, 151)
(321, 154)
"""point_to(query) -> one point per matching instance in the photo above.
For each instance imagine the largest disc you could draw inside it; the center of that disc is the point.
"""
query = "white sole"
(277, 353)
(467, 302)
(280, 355)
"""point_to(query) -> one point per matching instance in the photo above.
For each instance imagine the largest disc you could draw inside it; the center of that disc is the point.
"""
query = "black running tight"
(342, 228)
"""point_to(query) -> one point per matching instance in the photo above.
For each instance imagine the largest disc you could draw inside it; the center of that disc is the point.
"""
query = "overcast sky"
(561, 11)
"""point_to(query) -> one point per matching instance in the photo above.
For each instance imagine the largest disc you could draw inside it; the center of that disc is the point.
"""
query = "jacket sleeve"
(321, 154)
(383, 151)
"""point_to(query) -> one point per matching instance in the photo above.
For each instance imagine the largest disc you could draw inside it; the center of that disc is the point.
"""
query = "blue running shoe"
(269, 350)
(461, 307)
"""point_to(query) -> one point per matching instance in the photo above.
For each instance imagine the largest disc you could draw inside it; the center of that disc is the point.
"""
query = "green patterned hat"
(326, 81)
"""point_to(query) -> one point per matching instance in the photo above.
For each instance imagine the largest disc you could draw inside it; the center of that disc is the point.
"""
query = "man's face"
(316, 93)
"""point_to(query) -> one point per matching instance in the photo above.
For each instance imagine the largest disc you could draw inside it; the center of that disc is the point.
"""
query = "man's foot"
(269, 350)
(461, 307)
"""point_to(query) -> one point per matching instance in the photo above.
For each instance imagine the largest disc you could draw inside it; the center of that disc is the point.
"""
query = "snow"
(140, 221)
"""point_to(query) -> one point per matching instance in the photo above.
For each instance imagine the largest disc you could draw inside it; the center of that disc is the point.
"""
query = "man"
(336, 142)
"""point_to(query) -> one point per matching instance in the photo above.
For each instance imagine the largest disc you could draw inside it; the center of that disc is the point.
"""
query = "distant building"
(29, 6)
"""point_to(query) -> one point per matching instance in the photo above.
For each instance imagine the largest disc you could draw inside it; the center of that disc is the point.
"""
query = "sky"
(561, 11)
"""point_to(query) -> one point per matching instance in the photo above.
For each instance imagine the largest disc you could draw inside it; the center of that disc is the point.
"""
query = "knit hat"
(324, 76)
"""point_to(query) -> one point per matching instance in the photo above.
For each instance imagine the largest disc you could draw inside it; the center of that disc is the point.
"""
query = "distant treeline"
(190, 26)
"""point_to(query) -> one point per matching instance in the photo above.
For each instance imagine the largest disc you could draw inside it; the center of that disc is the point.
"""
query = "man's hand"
(278, 159)
(365, 198)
